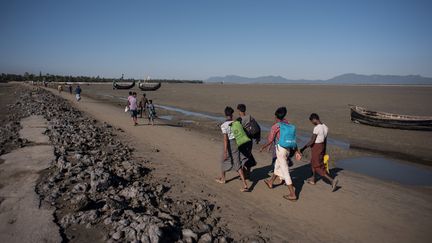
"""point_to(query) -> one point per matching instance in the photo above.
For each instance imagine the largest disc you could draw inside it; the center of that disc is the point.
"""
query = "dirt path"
(364, 209)
(21, 218)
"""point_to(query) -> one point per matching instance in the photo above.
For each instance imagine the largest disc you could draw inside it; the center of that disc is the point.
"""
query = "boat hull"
(404, 124)
(149, 86)
(119, 86)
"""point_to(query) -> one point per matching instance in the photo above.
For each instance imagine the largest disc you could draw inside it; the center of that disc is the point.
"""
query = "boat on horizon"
(390, 120)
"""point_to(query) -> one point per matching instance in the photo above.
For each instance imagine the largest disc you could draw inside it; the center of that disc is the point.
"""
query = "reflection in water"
(191, 113)
(388, 169)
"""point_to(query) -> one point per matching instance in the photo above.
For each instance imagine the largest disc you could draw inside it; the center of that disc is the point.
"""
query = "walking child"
(253, 131)
(143, 105)
(151, 112)
(285, 134)
(132, 103)
(78, 93)
(231, 155)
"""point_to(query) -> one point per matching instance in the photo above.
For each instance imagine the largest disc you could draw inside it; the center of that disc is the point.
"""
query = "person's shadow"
(259, 174)
(298, 176)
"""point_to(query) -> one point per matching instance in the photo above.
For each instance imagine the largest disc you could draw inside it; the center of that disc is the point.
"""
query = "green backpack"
(239, 133)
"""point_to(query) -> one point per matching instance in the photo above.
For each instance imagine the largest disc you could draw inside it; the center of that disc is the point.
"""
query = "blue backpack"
(287, 133)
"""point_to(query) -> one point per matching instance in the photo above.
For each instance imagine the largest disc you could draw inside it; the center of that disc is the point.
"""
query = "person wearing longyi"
(318, 144)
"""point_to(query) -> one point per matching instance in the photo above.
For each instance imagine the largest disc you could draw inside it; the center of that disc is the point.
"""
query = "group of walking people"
(140, 107)
(70, 89)
(238, 137)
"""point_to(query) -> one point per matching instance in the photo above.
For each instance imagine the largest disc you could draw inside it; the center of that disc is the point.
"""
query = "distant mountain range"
(349, 78)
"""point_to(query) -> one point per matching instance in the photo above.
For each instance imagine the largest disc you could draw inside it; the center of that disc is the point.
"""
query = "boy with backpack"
(253, 131)
(232, 136)
(285, 135)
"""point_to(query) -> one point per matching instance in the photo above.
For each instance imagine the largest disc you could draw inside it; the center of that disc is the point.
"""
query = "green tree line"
(5, 77)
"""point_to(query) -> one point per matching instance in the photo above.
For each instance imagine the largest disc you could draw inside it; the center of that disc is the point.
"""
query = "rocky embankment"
(96, 184)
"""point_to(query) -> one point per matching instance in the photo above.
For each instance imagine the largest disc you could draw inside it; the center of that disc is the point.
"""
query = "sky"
(185, 39)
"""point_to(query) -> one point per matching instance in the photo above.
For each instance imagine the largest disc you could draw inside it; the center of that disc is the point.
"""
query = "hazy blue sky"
(199, 39)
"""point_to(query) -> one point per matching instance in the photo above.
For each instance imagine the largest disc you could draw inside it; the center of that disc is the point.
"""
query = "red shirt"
(274, 131)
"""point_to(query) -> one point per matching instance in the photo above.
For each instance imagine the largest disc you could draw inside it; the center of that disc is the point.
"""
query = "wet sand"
(362, 210)
(329, 101)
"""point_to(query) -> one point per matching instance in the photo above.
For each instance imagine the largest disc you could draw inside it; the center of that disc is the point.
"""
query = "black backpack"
(252, 129)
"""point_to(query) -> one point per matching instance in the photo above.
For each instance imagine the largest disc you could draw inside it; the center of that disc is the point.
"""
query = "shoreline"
(180, 161)
(342, 148)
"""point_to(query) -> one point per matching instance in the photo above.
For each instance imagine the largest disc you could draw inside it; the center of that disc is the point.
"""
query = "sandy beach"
(329, 101)
(363, 210)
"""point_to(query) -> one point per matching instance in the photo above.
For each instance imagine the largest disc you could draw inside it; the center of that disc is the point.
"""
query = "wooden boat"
(149, 86)
(123, 86)
(389, 120)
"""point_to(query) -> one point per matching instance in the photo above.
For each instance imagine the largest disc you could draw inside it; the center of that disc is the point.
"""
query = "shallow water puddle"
(191, 113)
(303, 137)
(378, 167)
(168, 117)
(389, 170)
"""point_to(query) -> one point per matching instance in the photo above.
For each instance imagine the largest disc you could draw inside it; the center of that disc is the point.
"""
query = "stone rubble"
(95, 181)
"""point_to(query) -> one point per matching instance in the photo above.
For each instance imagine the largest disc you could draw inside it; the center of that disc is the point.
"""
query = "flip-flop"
(246, 189)
(334, 185)
(220, 181)
(268, 185)
(310, 182)
(292, 199)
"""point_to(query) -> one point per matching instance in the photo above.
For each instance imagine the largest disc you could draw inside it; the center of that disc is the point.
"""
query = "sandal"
(334, 185)
(290, 198)
(270, 186)
(220, 181)
(310, 182)
(245, 189)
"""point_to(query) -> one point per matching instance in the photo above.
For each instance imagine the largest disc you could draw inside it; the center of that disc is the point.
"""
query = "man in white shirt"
(318, 144)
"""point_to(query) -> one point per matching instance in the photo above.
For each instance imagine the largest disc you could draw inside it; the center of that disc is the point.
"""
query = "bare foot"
(220, 180)
(269, 185)
(245, 189)
(311, 181)
(292, 198)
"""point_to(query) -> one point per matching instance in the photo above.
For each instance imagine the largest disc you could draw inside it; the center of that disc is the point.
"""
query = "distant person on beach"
(132, 104)
(284, 134)
(60, 88)
(253, 131)
(78, 93)
(70, 88)
(143, 105)
(318, 144)
(151, 112)
(231, 155)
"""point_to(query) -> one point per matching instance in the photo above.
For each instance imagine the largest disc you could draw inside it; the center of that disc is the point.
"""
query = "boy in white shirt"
(231, 154)
(318, 144)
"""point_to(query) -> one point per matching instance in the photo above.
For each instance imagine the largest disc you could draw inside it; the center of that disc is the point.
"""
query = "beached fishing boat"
(389, 120)
(149, 86)
(123, 86)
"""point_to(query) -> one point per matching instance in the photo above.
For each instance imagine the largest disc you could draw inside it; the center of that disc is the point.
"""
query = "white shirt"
(226, 129)
(321, 130)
